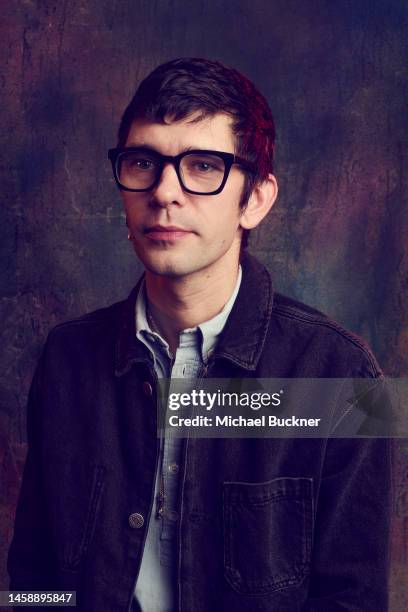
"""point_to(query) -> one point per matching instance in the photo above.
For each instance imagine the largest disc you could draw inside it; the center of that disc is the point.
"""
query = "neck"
(177, 303)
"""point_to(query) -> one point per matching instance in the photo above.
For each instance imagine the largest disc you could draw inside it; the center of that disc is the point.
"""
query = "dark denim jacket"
(266, 524)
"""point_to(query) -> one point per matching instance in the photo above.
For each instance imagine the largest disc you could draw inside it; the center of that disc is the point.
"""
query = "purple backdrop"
(335, 74)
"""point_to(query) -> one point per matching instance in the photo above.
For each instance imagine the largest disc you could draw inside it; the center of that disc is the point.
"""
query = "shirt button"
(172, 515)
(210, 352)
(173, 468)
(147, 389)
(136, 520)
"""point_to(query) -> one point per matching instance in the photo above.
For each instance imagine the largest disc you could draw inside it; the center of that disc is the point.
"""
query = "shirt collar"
(208, 331)
(242, 339)
(212, 329)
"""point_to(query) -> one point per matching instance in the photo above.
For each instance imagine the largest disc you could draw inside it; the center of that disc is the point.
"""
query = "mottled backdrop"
(335, 74)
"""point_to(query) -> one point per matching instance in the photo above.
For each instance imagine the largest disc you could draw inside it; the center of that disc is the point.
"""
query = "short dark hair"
(184, 86)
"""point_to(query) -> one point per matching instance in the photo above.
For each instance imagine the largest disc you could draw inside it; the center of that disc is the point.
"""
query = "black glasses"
(200, 172)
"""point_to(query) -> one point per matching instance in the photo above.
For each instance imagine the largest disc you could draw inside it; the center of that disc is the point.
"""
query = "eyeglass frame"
(229, 160)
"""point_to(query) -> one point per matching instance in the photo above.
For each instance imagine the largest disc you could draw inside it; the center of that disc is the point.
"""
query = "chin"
(169, 266)
(173, 264)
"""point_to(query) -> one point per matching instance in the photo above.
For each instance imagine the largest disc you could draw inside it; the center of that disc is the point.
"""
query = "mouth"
(166, 232)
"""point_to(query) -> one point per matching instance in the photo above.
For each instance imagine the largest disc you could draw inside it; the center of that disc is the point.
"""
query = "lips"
(166, 228)
(167, 232)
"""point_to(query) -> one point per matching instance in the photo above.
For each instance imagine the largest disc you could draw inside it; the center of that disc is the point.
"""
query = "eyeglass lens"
(199, 172)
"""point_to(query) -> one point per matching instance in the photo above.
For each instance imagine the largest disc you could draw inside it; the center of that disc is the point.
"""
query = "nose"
(168, 190)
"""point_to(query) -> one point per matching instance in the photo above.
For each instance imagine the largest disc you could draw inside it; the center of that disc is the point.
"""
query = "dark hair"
(183, 86)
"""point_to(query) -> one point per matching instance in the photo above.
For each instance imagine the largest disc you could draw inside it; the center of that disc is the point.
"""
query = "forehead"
(173, 137)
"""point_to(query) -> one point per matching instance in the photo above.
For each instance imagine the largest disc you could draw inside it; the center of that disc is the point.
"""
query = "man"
(198, 524)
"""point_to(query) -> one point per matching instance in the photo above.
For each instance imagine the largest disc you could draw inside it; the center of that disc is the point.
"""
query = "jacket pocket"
(268, 530)
(78, 524)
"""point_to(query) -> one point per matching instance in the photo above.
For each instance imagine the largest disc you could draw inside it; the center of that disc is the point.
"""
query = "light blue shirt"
(155, 588)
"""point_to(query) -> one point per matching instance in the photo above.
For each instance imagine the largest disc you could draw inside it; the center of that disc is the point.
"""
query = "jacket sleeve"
(351, 541)
(30, 559)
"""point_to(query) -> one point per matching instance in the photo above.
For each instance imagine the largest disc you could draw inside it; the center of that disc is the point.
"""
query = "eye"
(203, 166)
(140, 163)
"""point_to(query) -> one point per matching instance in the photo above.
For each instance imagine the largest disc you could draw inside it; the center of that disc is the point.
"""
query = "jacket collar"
(129, 350)
(244, 334)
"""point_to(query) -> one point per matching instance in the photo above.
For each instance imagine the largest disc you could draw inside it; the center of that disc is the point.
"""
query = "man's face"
(208, 224)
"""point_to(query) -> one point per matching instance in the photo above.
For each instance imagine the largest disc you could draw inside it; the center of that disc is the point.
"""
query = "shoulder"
(84, 338)
(308, 331)
(308, 317)
(293, 338)
(89, 322)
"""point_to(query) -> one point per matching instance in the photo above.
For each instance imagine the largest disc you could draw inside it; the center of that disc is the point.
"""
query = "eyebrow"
(135, 145)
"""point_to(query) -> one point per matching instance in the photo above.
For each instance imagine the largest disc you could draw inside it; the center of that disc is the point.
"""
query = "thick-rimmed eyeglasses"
(200, 172)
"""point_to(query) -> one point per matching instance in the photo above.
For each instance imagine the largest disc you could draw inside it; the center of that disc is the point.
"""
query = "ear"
(260, 202)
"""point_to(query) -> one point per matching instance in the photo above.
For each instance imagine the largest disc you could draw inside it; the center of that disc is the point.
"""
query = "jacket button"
(136, 520)
(172, 515)
(173, 468)
(147, 389)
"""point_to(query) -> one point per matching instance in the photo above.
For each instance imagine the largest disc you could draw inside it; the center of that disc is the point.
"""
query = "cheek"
(222, 224)
(230, 207)
(126, 203)
(132, 209)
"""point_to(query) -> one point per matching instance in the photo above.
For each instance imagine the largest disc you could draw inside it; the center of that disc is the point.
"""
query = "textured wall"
(336, 77)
